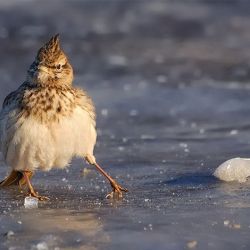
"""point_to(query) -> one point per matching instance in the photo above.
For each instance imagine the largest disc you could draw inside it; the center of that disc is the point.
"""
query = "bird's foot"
(39, 197)
(117, 191)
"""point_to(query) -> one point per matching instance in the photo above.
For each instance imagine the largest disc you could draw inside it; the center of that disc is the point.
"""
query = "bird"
(47, 121)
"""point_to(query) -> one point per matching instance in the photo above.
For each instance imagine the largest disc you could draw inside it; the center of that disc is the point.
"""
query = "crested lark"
(47, 121)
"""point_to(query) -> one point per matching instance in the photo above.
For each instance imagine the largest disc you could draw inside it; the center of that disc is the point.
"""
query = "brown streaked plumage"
(47, 121)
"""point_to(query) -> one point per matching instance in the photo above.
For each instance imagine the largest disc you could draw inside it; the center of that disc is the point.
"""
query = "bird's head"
(51, 65)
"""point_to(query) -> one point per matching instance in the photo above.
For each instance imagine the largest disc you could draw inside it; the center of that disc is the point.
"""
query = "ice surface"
(30, 202)
(237, 169)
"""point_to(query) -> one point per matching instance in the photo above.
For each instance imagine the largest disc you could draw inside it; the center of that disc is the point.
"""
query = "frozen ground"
(170, 82)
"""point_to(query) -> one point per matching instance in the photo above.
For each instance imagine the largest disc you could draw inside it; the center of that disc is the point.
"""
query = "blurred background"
(165, 42)
(170, 80)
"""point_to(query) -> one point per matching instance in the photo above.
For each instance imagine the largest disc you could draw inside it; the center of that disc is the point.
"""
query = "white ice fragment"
(47, 242)
(124, 139)
(41, 246)
(64, 179)
(236, 169)
(234, 132)
(147, 137)
(183, 145)
(133, 112)
(202, 131)
(30, 202)
(9, 234)
(121, 148)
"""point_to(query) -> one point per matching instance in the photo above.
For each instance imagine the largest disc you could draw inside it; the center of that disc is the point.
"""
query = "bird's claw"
(39, 197)
(117, 191)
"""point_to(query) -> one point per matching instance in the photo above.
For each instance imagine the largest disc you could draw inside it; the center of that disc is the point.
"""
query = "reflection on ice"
(56, 229)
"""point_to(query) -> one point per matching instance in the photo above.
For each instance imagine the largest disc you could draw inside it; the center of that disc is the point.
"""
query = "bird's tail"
(15, 178)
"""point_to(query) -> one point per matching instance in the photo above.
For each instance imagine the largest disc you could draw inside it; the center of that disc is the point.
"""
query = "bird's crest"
(50, 50)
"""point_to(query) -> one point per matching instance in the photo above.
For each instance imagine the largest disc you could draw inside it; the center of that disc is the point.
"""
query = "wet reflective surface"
(170, 83)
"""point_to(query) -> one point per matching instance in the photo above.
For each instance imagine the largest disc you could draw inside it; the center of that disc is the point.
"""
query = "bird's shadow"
(194, 180)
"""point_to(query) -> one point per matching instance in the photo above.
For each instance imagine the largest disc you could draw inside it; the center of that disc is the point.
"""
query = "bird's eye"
(58, 66)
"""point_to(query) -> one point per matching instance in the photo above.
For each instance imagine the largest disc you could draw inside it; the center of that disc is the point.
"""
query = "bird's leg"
(22, 181)
(117, 189)
(32, 192)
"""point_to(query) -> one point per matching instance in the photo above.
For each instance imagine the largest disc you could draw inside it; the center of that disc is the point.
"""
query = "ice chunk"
(47, 242)
(236, 169)
(41, 246)
(30, 202)
(234, 132)
(9, 234)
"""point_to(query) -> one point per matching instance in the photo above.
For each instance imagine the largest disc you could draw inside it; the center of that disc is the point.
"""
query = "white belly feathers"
(30, 144)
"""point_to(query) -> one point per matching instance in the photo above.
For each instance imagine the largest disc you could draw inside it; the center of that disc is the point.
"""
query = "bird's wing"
(15, 95)
(9, 98)
(85, 101)
(10, 114)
